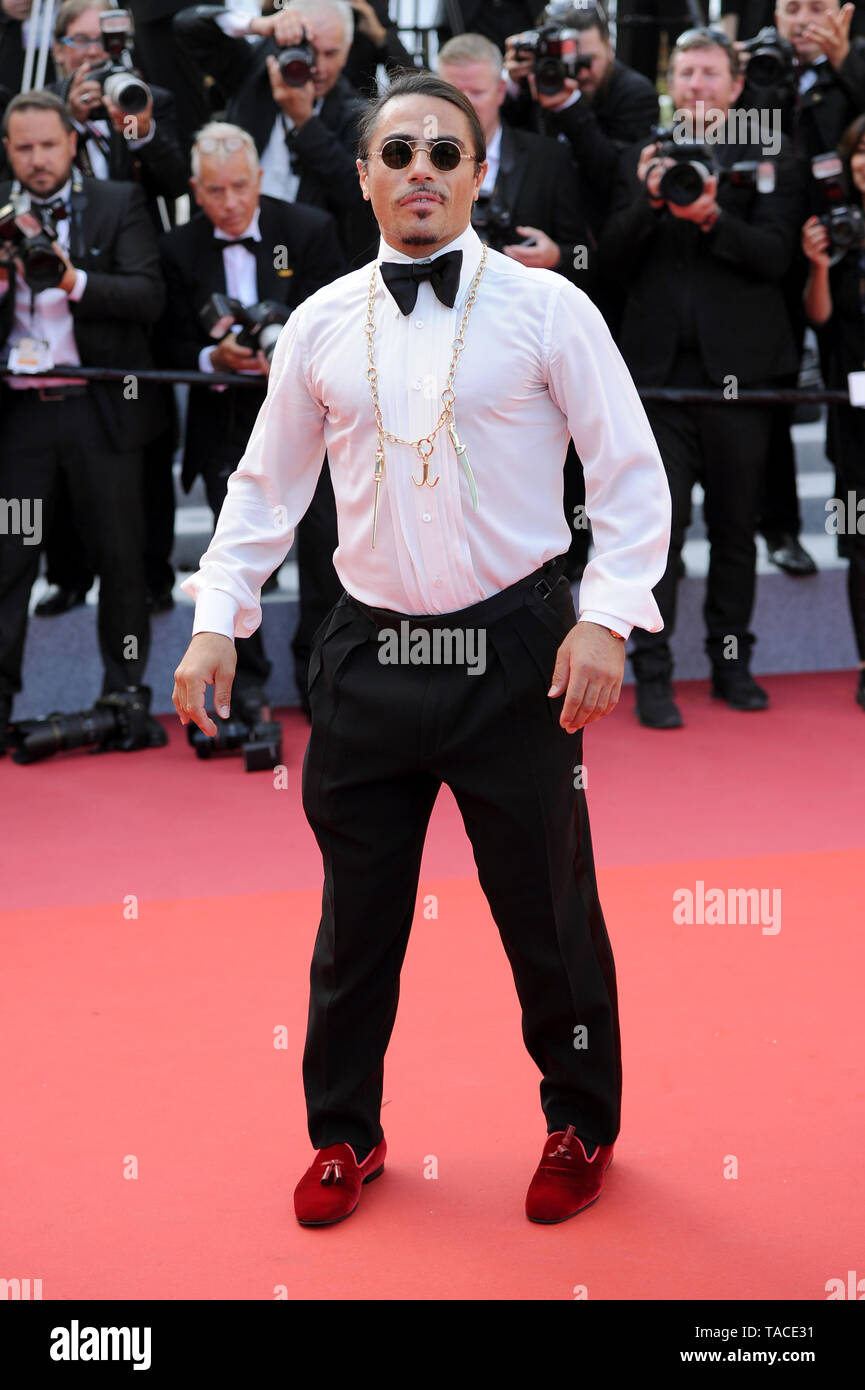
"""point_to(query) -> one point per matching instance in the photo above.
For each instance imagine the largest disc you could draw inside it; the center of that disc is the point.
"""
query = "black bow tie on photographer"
(248, 241)
(443, 274)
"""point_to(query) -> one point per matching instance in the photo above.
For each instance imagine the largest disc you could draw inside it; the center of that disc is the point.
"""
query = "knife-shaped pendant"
(379, 470)
(460, 450)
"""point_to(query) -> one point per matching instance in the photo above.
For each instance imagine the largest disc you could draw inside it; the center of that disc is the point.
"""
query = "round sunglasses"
(444, 155)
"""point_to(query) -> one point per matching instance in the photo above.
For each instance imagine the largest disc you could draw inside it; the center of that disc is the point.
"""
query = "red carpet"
(147, 1042)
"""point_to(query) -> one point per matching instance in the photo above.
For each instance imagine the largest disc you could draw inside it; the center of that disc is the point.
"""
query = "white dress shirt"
(278, 179)
(538, 364)
(49, 317)
(241, 277)
(494, 158)
(96, 148)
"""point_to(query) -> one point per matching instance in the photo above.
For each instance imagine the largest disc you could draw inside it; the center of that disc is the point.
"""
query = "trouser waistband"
(542, 581)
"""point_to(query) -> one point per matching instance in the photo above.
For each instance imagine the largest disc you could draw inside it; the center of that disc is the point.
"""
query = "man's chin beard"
(48, 193)
(419, 239)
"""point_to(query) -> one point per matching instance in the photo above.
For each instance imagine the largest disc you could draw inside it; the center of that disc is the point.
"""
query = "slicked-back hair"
(37, 101)
(419, 84)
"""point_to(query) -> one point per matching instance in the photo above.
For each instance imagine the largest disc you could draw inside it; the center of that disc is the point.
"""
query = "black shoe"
(161, 601)
(860, 691)
(738, 688)
(59, 600)
(656, 708)
(791, 557)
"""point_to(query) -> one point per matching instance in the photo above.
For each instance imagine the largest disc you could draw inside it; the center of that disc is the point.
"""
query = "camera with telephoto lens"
(260, 324)
(492, 222)
(28, 234)
(695, 163)
(553, 48)
(119, 722)
(843, 220)
(117, 77)
(296, 62)
(249, 728)
(771, 62)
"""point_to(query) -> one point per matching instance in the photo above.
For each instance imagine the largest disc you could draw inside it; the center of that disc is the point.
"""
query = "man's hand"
(551, 101)
(70, 275)
(832, 34)
(544, 255)
(84, 95)
(651, 167)
(210, 659)
(366, 21)
(517, 68)
(229, 356)
(590, 665)
(295, 102)
(134, 127)
(701, 208)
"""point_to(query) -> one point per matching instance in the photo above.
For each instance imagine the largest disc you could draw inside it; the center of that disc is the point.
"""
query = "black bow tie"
(443, 273)
(55, 209)
(248, 241)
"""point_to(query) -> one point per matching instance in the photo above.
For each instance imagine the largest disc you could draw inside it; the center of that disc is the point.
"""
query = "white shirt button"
(417, 383)
(427, 517)
(418, 323)
(437, 583)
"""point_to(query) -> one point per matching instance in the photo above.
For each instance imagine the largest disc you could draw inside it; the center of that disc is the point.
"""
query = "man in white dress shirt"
(435, 665)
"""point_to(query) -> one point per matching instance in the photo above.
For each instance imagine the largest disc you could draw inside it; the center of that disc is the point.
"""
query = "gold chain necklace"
(425, 445)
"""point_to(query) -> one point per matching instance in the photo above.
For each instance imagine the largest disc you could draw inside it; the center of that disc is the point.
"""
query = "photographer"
(254, 249)
(107, 290)
(305, 134)
(605, 107)
(834, 305)
(140, 147)
(705, 310)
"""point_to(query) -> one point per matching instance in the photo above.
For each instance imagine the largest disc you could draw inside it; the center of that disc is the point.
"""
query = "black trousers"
(40, 442)
(724, 447)
(384, 738)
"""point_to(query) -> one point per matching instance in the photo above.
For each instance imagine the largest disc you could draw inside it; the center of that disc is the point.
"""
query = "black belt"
(541, 582)
(47, 393)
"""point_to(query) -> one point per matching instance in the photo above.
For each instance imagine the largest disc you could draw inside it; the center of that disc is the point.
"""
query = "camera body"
(256, 734)
(553, 50)
(296, 62)
(842, 219)
(771, 62)
(261, 324)
(29, 236)
(696, 163)
(117, 77)
(492, 222)
(118, 722)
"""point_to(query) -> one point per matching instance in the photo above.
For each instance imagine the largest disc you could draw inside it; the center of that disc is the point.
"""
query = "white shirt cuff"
(235, 25)
(79, 287)
(205, 359)
(605, 620)
(145, 139)
(215, 611)
(571, 101)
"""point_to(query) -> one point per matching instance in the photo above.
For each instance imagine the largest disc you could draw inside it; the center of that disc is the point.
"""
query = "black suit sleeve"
(131, 285)
(596, 147)
(321, 257)
(765, 243)
(179, 335)
(229, 61)
(164, 170)
(632, 223)
(329, 155)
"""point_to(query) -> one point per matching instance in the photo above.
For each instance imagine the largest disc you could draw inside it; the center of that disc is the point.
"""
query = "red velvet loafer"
(565, 1180)
(330, 1188)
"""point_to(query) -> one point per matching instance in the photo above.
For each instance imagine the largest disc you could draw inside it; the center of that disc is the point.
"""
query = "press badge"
(856, 387)
(32, 355)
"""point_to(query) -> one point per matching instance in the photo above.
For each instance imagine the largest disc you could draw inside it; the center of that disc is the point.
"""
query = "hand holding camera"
(816, 243)
(296, 102)
(231, 356)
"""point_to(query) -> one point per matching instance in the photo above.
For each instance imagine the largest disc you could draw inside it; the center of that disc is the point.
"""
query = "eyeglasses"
(211, 143)
(82, 41)
(444, 155)
(717, 36)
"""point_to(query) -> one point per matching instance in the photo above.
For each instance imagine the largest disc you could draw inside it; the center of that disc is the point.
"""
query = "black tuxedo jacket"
(324, 150)
(536, 183)
(194, 268)
(160, 166)
(111, 237)
(718, 291)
